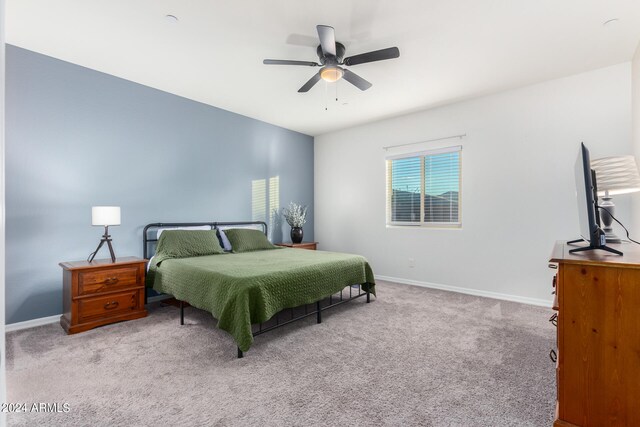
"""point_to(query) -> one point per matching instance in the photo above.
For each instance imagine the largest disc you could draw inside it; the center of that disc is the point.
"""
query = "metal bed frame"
(294, 313)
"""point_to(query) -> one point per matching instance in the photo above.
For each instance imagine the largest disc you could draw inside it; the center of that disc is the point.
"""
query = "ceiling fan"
(331, 53)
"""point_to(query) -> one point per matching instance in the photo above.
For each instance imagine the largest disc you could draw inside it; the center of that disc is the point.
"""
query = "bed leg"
(181, 313)
(319, 314)
(368, 296)
(240, 354)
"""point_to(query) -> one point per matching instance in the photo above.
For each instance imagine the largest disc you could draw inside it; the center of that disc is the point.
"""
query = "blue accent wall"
(77, 138)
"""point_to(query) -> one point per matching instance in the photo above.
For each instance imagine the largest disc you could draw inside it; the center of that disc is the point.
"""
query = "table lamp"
(614, 175)
(105, 216)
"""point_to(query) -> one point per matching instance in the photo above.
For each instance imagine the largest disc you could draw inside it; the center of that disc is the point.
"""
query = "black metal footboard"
(290, 315)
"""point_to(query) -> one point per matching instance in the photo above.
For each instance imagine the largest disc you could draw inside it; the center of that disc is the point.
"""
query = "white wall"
(635, 111)
(2, 233)
(518, 188)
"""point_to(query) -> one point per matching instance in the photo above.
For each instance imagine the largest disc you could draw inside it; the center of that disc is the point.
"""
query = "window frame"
(389, 189)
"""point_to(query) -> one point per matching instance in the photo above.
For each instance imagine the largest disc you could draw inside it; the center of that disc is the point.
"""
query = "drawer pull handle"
(554, 266)
(111, 280)
(111, 305)
(553, 356)
(554, 319)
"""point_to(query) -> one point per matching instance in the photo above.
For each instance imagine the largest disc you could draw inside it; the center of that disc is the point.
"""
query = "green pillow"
(187, 243)
(247, 240)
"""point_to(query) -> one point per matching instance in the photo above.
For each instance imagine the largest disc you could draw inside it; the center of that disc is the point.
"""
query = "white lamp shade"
(105, 215)
(617, 175)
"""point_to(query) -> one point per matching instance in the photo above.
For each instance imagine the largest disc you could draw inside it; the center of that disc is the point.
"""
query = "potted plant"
(296, 216)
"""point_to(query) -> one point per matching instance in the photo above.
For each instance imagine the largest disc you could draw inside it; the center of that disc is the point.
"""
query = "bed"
(256, 291)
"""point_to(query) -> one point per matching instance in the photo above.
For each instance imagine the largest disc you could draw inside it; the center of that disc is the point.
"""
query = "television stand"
(598, 367)
(591, 248)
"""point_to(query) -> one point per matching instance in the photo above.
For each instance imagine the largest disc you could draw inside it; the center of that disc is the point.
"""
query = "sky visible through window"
(406, 174)
(441, 174)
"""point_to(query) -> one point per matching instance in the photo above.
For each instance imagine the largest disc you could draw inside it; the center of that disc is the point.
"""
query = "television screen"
(586, 202)
(587, 191)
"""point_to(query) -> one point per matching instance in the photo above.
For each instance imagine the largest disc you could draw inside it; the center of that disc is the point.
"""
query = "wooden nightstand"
(304, 245)
(101, 292)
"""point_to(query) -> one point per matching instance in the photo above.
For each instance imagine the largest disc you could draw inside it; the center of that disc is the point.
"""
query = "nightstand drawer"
(108, 305)
(91, 282)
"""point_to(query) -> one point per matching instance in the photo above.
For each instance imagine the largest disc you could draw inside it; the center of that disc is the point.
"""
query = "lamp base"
(611, 236)
(608, 209)
(105, 238)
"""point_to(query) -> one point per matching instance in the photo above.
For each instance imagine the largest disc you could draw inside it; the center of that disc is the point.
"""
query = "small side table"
(304, 245)
(100, 292)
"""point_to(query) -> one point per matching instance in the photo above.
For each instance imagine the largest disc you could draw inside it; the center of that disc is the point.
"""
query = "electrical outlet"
(412, 262)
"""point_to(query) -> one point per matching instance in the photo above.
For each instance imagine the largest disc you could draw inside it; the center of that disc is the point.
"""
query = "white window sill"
(426, 226)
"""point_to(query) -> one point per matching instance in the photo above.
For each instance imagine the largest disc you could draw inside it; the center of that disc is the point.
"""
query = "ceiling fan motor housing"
(330, 59)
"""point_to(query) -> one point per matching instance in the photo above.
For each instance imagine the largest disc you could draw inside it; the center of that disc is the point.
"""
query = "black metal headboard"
(146, 241)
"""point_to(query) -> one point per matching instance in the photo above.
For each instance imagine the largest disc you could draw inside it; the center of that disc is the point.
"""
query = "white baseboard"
(469, 291)
(32, 323)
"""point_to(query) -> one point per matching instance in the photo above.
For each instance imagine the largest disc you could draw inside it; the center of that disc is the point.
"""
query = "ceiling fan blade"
(311, 83)
(327, 39)
(376, 55)
(287, 62)
(356, 80)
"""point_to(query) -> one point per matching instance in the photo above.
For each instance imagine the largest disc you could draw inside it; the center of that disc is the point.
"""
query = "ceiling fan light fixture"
(331, 73)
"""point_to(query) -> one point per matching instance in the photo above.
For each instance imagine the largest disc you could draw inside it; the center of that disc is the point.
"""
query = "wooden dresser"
(101, 292)
(304, 245)
(598, 346)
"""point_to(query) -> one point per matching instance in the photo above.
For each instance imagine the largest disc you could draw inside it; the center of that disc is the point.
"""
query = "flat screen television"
(587, 196)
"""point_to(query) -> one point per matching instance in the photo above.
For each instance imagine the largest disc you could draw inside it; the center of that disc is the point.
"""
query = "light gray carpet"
(414, 356)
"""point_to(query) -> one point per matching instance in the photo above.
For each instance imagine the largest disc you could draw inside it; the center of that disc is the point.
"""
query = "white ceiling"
(449, 49)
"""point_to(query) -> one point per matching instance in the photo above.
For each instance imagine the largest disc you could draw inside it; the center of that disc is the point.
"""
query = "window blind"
(424, 188)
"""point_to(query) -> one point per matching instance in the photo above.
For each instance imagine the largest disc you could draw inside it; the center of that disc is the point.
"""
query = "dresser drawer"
(108, 305)
(91, 282)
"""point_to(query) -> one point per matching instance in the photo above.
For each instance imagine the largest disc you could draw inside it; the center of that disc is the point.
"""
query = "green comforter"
(246, 288)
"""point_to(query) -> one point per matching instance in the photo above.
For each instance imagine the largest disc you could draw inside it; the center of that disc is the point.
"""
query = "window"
(424, 188)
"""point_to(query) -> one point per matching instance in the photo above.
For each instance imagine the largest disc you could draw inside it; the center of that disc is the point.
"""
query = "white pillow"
(251, 226)
(191, 227)
(226, 244)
